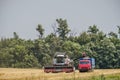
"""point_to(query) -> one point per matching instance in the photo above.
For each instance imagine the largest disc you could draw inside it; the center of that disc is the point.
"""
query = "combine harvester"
(61, 63)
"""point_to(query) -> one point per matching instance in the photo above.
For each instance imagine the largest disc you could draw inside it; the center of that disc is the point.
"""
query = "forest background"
(20, 53)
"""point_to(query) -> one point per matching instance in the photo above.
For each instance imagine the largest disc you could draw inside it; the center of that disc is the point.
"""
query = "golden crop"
(38, 74)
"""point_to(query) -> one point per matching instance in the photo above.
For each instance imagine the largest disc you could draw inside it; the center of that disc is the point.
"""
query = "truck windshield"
(84, 62)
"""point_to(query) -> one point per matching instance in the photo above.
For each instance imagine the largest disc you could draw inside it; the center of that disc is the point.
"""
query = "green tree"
(105, 53)
(93, 29)
(63, 28)
(5, 57)
(118, 30)
(40, 30)
(55, 43)
(112, 34)
(31, 61)
(101, 36)
(16, 36)
(83, 38)
(41, 51)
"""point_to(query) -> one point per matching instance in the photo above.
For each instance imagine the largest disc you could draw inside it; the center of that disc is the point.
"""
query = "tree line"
(20, 53)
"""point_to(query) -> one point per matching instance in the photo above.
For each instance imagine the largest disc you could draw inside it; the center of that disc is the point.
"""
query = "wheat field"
(38, 74)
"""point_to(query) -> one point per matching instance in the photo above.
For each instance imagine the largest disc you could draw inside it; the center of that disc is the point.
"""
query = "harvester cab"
(61, 59)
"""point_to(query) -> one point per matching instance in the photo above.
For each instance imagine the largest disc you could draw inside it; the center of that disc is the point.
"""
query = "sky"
(23, 16)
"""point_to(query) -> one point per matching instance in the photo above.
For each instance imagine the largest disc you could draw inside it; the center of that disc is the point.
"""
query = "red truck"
(86, 64)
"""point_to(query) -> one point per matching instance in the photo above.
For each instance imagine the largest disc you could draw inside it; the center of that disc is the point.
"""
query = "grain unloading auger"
(61, 63)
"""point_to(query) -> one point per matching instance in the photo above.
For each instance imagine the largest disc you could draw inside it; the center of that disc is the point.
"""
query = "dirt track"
(38, 74)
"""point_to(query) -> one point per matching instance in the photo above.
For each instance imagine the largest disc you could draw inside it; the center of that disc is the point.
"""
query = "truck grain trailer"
(86, 64)
(61, 63)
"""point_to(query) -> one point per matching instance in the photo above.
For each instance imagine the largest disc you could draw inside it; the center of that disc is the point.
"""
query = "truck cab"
(86, 64)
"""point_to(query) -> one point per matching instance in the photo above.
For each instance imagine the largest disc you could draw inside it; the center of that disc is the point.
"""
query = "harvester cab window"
(60, 60)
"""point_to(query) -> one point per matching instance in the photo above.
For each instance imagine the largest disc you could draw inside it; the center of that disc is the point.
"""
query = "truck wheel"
(79, 70)
(67, 72)
(82, 71)
(47, 72)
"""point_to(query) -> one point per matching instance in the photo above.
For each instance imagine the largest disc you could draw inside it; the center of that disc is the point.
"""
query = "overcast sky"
(23, 16)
